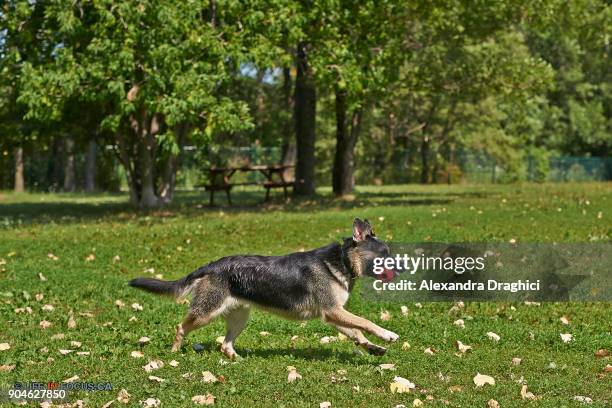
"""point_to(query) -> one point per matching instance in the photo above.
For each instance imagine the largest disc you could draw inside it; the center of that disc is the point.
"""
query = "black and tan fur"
(301, 286)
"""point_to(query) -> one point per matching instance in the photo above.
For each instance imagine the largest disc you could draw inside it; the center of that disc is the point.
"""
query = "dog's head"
(363, 248)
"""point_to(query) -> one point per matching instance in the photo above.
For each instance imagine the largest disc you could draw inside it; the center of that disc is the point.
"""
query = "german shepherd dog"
(302, 285)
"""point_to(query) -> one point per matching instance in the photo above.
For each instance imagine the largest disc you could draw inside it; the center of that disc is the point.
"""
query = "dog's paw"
(389, 336)
(376, 350)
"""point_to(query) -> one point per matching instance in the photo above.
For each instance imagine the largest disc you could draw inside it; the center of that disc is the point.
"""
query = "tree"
(157, 71)
(359, 61)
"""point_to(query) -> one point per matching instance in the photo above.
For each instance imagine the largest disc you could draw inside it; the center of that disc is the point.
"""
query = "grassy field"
(76, 253)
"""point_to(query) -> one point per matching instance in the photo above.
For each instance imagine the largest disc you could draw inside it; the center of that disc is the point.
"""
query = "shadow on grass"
(70, 208)
(304, 353)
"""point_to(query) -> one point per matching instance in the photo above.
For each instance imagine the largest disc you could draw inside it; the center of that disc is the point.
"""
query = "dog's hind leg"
(191, 323)
(236, 321)
(209, 301)
(357, 336)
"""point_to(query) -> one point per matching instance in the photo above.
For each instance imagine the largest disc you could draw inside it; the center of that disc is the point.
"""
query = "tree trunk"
(146, 140)
(343, 179)
(19, 183)
(90, 167)
(304, 116)
(288, 151)
(425, 160)
(171, 166)
(69, 168)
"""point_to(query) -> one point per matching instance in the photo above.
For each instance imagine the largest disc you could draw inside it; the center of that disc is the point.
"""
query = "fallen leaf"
(387, 366)
(462, 347)
(481, 379)
(405, 345)
(207, 399)
(566, 337)
(516, 361)
(430, 350)
(48, 308)
(293, 374)
(76, 344)
(45, 324)
(119, 303)
(607, 368)
(385, 315)
(493, 336)
(71, 322)
(90, 258)
(4, 346)
(83, 353)
(6, 368)
(401, 385)
(173, 363)
(123, 396)
(64, 352)
(52, 257)
(153, 365)
(116, 258)
(208, 377)
(137, 354)
(342, 337)
(602, 353)
(144, 340)
(58, 336)
(325, 404)
(459, 323)
(327, 339)
(39, 297)
(42, 277)
(526, 395)
(564, 320)
(417, 403)
(585, 400)
(404, 310)
(455, 388)
(137, 307)
(108, 404)
(220, 339)
(492, 404)
(156, 379)
(456, 307)
(151, 403)
(71, 379)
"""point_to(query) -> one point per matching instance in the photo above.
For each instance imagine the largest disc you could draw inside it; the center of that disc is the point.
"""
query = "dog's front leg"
(341, 317)
(357, 336)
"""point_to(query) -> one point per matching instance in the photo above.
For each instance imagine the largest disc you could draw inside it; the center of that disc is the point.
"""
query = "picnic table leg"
(267, 193)
(212, 197)
(229, 199)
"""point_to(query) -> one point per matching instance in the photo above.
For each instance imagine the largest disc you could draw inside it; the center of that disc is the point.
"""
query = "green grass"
(180, 238)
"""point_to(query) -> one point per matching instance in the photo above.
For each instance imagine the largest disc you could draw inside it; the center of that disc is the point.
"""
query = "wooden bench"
(226, 173)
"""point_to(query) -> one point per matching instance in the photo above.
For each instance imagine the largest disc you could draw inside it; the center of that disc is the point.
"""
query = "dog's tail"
(177, 289)
(161, 287)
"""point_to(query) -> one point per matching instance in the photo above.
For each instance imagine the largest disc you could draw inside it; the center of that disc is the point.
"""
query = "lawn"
(77, 252)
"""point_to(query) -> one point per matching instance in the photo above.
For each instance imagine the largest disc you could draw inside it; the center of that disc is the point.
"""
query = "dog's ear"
(361, 230)
(369, 226)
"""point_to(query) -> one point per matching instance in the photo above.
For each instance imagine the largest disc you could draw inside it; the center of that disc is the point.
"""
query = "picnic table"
(220, 179)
